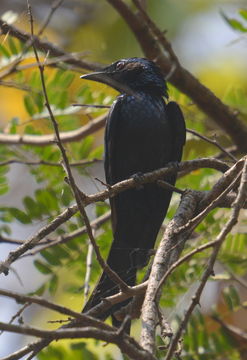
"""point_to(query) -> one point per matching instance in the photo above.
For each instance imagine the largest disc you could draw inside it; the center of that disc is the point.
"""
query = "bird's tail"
(122, 261)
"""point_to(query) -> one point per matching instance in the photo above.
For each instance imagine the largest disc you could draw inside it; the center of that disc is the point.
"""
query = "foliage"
(63, 266)
(238, 25)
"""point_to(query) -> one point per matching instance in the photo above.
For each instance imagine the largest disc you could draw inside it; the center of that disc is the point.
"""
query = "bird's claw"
(174, 165)
(138, 178)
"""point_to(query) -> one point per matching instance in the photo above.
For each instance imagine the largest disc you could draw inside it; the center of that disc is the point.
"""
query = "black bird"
(143, 133)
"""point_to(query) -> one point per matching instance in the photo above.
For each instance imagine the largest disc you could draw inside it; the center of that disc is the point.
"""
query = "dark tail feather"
(122, 262)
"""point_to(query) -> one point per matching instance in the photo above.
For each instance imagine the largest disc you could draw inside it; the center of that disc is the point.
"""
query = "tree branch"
(125, 343)
(153, 44)
(46, 47)
(42, 140)
(167, 253)
(103, 195)
(172, 244)
(241, 198)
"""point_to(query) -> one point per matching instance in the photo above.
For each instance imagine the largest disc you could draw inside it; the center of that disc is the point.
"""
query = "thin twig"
(17, 315)
(213, 142)
(48, 163)
(193, 222)
(88, 269)
(93, 106)
(63, 239)
(182, 260)
(79, 196)
(42, 302)
(168, 186)
(158, 34)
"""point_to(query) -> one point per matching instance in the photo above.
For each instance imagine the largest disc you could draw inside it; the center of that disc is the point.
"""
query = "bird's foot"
(174, 165)
(138, 178)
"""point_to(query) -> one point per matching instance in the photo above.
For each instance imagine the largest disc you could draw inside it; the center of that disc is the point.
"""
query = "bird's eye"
(120, 65)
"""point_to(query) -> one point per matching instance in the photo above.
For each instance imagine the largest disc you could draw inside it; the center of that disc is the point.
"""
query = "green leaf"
(78, 346)
(5, 229)
(85, 147)
(66, 196)
(227, 298)
(63, 99)
(234, 23)
(96, 153)
(4, 169)
(53, 353)
(4, 189)
(32, 207)
(234, 296)
(47, 199)
(20, 215)
(12, 46)
(42, 267)
(82, 349)
(57, 77)
(50, 257)
(53, 284)
(29, 105)
(40, 291)
(39, 101)
(60, 251)
(4, 51)
(2, 180)
(243, 13)
(67, 80)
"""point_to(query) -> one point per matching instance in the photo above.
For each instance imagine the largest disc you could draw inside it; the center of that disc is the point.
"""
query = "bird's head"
(131, 75)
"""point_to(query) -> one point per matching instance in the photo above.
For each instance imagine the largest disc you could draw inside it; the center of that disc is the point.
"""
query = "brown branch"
(42, 302)
(236, 278)
(226, 202)
(181, 261)
(103, 195)
(215, 195)
(12, 68)
(22, 352)
(165, 256)
(180, 225)
(213, 142)
(125, 343)
(48, 163)
(46, 47)
(17, 314)
(153, 47)
(18, 86)
(63, 239)
(36, 238)
(225, 180)
(241, 198)
(41, 140)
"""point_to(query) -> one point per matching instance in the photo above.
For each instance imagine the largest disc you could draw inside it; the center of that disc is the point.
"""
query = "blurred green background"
(205, 44)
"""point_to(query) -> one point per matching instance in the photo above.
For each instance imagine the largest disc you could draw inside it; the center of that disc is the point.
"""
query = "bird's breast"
(142, 135)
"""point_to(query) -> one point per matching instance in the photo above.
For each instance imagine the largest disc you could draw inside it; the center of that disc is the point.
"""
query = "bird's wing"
(110, 150)
(110, 141)
(177, 122)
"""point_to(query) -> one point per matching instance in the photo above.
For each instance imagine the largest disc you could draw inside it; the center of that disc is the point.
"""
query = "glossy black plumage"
(143, 133)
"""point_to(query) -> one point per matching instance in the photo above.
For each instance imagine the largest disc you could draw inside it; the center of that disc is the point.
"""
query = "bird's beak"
(107, 78)
(99, 76)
